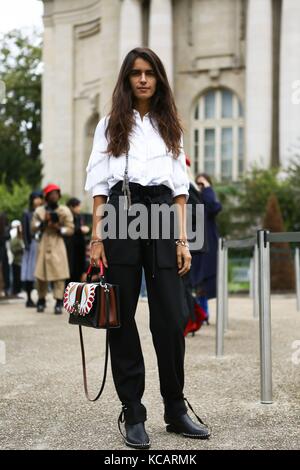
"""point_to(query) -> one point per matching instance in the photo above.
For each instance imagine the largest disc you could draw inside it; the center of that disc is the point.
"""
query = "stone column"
(290, 81)
(131, 25)
(259, 83)
(58, 104)
(161, 33)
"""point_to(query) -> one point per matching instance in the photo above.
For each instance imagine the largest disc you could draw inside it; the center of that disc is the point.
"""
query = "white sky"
(20, 14)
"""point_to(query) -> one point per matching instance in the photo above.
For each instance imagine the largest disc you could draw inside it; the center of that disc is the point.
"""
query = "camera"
(53, 216)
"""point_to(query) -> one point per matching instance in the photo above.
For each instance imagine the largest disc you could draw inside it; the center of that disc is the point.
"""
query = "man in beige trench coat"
(53, 221)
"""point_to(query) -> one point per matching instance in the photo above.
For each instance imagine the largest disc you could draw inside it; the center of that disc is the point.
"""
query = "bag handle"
(106, 293)
(92, 267)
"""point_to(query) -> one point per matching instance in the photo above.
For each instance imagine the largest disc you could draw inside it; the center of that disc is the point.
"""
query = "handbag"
(95, 305)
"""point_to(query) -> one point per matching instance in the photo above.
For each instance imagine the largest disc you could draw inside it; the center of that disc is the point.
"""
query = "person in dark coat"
(193, 314)
(76, 246)
(204, 266)
(4, 265)
(30, 252)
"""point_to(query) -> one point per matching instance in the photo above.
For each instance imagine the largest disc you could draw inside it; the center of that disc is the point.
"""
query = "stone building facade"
(234, 66)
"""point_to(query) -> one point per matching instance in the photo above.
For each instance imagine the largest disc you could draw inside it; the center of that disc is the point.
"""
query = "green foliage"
(228, 196)
(14, 200)
(244, 203)
(244, 260)
(64, 199)
(290, 202)
(20, 113)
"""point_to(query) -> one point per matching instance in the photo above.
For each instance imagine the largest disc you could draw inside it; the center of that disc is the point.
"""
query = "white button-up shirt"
(149, 162)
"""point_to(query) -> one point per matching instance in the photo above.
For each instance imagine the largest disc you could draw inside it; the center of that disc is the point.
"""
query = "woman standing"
(204, 267)
(4, 265)
(52, 222)
(30, 252)
(17, 249)
(137, 152)
(194, 314)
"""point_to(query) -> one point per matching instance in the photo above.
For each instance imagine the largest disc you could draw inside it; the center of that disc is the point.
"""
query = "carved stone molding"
(90, 28)
(190, 32)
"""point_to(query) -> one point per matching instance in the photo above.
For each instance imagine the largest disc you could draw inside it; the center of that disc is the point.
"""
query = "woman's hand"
(85, 229)
(97, 254)
(184, 259)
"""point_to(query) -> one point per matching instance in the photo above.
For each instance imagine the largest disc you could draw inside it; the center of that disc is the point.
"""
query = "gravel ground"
(43, 404)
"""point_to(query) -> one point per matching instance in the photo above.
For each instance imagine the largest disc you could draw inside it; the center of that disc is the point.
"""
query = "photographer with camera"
(52, 222)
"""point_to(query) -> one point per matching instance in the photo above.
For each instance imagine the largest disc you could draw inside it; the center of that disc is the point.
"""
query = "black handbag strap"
(106, 292)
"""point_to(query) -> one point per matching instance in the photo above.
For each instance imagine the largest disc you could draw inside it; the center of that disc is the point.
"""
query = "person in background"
(30, 252)
(204, 267)
(193, 315)
(17, 249)
(4, 265)
(76, 246)
(52, 221)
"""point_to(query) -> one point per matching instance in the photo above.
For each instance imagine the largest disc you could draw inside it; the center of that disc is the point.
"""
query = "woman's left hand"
(184, 259)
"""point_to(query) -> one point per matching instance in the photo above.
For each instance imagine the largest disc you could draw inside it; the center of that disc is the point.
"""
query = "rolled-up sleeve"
(180, 178)
(98, 165)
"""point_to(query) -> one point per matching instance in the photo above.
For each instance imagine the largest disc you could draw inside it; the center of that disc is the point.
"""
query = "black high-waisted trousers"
(126, 257)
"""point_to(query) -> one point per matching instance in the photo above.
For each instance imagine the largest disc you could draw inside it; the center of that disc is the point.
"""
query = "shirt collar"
(137, 114)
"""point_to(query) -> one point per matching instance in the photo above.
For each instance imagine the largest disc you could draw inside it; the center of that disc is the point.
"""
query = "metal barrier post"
(225, 289)
(251, 278)
(265, 317)
(220, 300)
(255, 283)
(297, 277)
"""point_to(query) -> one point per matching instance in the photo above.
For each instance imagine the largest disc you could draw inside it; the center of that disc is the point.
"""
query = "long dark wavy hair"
(163, 110)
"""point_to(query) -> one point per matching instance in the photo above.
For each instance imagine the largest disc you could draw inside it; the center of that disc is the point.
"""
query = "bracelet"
(182, 242)
(97, 240)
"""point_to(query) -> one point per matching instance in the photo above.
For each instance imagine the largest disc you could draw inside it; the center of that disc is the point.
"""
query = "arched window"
(218, 135)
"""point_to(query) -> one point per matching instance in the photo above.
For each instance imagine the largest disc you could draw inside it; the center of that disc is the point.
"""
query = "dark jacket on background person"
(204, 264)
(194, 199)
(26, 228)
(75, 246)
(4, 237)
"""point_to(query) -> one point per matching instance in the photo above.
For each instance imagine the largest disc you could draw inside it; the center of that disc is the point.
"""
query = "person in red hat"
(50, 223)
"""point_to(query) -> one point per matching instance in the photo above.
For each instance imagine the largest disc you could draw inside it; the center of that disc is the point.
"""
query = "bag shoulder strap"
(125, 186)
(106, 355)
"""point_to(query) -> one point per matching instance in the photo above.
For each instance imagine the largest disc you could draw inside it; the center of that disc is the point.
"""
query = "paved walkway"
(43, 406)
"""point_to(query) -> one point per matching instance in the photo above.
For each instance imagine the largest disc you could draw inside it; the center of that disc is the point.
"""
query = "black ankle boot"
(58, 307)
(30, 303)
(185, 426)
(136, 435)
(41, 305)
